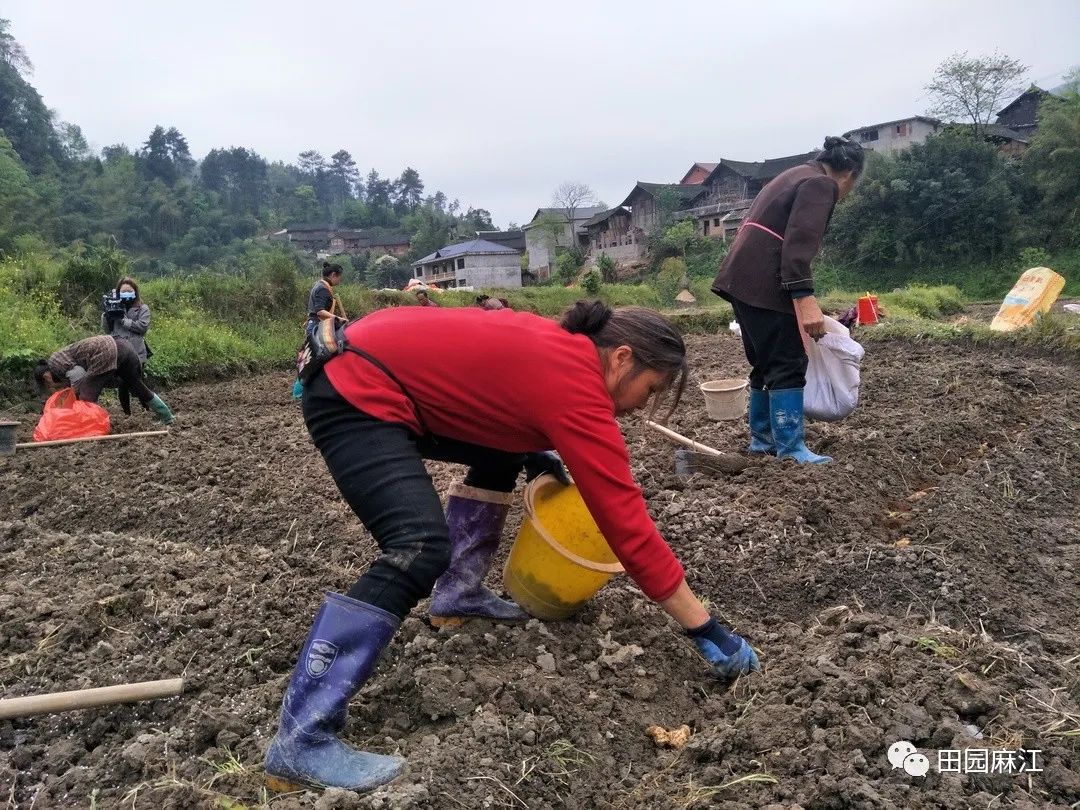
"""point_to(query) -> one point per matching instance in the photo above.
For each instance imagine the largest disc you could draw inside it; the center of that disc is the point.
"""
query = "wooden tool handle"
(88, 698)
(108, 437)
(678, 437)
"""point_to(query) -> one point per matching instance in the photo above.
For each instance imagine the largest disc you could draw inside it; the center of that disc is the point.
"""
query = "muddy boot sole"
(280, 784)
(458, 621)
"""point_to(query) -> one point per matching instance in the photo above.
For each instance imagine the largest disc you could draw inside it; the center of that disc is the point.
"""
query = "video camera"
(112, 305)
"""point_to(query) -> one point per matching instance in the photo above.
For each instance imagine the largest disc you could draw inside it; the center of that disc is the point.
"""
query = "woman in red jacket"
(767, 278)
(499, 390)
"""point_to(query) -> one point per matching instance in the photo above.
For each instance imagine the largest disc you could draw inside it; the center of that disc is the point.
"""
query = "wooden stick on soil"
(678, 437)
(108, 437)
(89, 698)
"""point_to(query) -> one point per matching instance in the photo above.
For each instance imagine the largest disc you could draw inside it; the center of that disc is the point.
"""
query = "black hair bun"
(832, 141)
(586, 317)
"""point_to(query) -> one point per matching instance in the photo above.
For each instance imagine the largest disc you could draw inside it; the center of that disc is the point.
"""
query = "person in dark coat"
(767, 278)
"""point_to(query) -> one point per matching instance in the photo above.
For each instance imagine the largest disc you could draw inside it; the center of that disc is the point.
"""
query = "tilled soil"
(923, 588)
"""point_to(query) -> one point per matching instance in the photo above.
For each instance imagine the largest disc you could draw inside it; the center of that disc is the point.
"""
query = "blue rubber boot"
(340, 652)
(161, 410)
(786, 411)
(475, 518)
(761, 438)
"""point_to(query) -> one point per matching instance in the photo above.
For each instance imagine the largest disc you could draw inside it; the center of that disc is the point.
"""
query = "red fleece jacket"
(517, 382)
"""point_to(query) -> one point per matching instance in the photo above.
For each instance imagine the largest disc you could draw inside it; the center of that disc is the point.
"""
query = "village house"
(892, 136)
(327, 240)
(473, 264)
(646, 202)
(697, 174)
(1021, 115)
(512, 239)
(733, 181)
(543, 245)
(610, 233)
(729, 188)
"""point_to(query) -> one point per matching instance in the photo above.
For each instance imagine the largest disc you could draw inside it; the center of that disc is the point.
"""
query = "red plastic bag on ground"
(66, 417)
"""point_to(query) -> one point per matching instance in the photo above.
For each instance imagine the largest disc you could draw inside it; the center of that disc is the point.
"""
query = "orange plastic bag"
(66, 417)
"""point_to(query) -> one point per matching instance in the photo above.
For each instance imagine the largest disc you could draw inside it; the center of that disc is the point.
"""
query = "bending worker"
(375, 414)
(767, 278)
(92, 364)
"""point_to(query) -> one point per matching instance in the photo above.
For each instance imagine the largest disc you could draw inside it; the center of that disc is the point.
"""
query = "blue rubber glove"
(728, 654)
(546, 462)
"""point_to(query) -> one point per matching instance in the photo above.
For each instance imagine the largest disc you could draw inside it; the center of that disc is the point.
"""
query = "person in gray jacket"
(133, 323)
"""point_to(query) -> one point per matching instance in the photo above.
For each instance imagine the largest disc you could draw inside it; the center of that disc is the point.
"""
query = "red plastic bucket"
(867, 310)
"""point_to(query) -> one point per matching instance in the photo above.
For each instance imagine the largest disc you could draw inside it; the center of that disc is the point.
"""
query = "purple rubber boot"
(476, 518)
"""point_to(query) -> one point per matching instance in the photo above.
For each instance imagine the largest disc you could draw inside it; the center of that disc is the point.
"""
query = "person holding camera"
(92, 364)
(126, 316)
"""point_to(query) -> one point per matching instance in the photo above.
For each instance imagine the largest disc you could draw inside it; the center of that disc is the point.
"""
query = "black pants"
(129, 374)
(379, 468)
(773, 346)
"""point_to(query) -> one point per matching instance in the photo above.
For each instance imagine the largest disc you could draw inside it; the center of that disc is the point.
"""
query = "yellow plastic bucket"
(559, 559)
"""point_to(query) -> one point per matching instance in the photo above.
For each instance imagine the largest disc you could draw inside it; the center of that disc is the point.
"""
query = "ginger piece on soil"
(676, 738)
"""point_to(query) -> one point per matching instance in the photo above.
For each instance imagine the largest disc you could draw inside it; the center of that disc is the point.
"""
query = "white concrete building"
(892, 136)
(474, 264)
(542, 245)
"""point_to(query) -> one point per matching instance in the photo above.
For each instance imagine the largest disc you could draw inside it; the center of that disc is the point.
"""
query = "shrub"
(89, 272)
(1033, 257)
(607, 268)
(669, 279)
(566, 267)
(592, 282)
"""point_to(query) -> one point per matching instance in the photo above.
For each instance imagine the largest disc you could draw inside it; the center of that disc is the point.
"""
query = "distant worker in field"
(767, 278)
(375, 414)
(95, 363)
(491, 303)
(424, 300)
(124, 315)
(323, 305)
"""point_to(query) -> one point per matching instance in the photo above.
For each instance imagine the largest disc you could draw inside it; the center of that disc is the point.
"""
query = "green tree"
(342, 177)
(943, 201)
(16, 193)
(973, 88)
(680, 237)
(24, 119)
(1053, 162)
(410, 190)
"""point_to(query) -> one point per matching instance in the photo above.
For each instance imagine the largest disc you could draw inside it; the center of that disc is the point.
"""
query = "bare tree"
(572, 196)
(973, 88)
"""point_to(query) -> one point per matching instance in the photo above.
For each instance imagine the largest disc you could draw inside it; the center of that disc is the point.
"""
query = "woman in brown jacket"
(767, 278)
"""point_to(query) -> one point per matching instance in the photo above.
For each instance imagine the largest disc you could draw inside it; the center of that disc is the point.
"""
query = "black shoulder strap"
(382, 367)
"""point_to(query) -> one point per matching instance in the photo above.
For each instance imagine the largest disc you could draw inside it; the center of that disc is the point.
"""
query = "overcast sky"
(497, 103)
